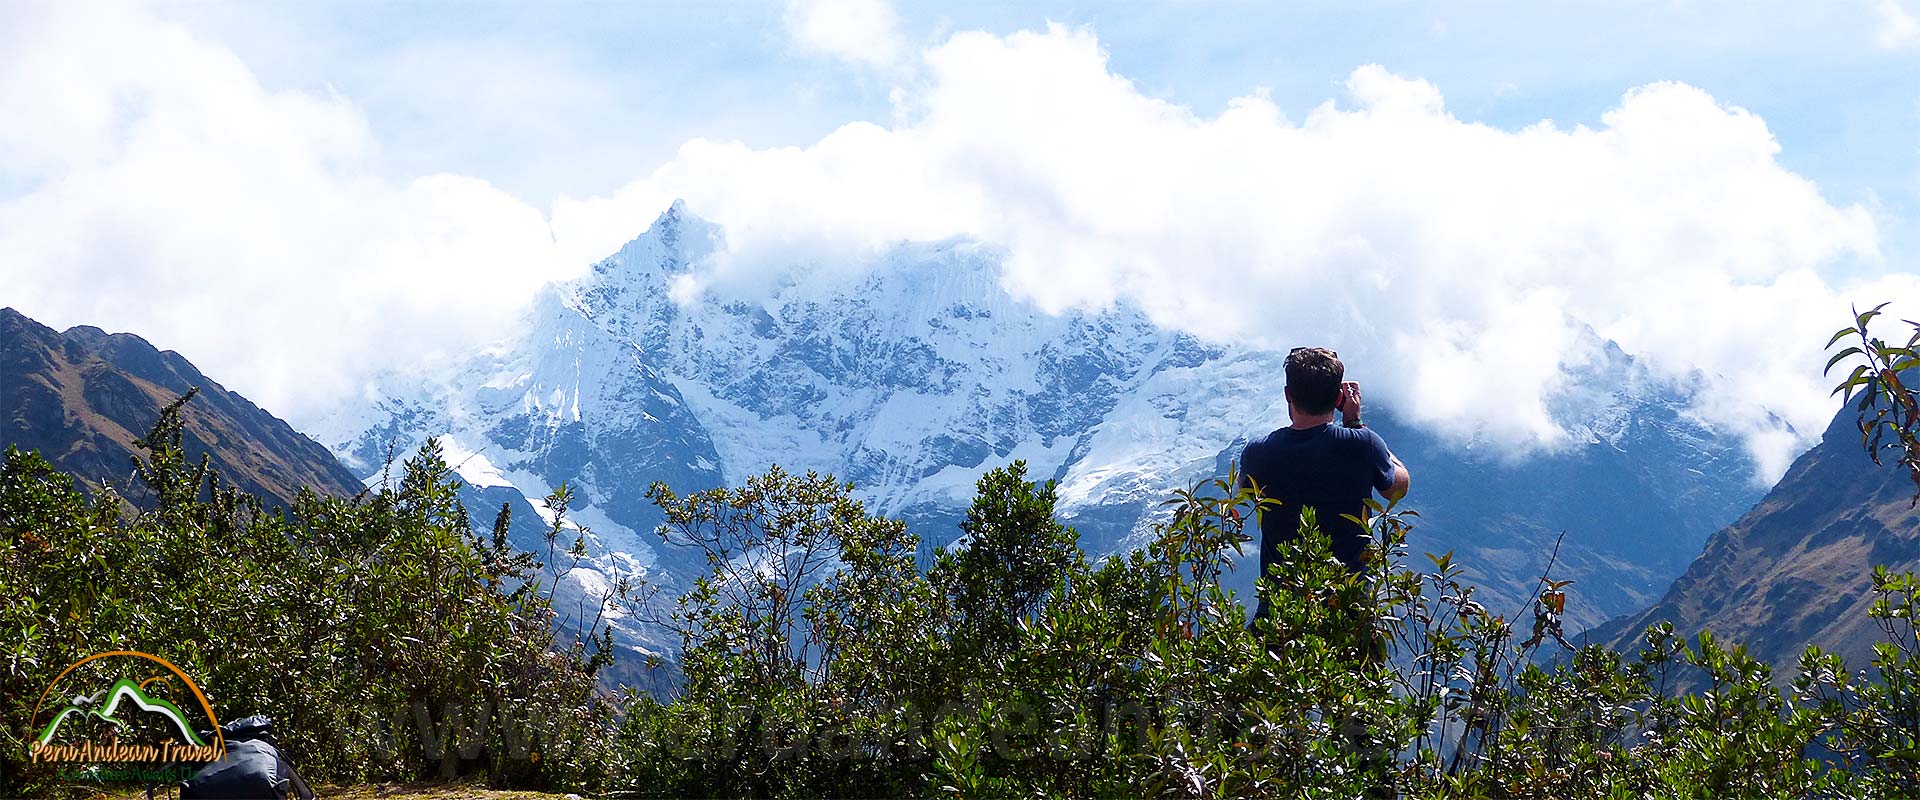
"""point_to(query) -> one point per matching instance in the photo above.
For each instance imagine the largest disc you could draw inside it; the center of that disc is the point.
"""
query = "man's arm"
(1390, 477)
(1248, 456)
(1402, 480)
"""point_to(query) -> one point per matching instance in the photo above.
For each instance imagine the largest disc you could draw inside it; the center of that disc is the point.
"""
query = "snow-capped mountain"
(914, 376)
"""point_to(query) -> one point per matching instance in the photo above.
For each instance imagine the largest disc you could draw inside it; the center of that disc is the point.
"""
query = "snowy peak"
(914, 373)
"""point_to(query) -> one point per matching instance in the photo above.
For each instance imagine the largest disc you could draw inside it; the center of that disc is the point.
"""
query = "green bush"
(1023, 669)
(382, 637)
(390, 642)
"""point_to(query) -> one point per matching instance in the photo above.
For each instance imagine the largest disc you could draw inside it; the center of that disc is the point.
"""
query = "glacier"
(912, 376)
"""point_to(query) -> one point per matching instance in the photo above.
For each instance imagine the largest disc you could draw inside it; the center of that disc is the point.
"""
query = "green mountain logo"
(102, 707)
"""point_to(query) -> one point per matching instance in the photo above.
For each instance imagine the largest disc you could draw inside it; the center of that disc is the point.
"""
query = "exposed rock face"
(1798, 568)
(914, 376)
(81, 398)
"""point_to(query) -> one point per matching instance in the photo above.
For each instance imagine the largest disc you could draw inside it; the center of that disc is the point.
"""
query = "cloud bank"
(149, 182)
(1898, 27)
(1455, 264)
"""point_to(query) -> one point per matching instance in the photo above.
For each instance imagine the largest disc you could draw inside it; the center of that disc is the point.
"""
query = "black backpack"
(252, 770)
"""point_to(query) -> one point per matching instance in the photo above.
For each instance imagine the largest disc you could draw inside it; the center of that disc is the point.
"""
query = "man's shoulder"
(1266, 446)
(1364, 435)
(1359, 442)
(1265, 439)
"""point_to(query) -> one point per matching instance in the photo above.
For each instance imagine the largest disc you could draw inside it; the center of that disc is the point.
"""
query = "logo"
(123, 708)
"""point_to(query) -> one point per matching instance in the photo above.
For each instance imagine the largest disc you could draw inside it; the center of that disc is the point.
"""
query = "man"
(1316, 464)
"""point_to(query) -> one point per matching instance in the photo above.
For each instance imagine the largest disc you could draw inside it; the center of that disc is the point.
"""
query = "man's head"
(1313, 379)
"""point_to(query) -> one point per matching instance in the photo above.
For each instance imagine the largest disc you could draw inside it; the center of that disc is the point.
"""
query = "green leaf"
(1852, 380)
(1851, 351)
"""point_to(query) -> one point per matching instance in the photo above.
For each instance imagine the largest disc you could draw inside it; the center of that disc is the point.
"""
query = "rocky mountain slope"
(914, 376)
(82, 396)
(1797, 569)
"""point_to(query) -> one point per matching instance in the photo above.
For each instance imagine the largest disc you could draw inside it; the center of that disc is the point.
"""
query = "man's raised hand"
(1349, 404)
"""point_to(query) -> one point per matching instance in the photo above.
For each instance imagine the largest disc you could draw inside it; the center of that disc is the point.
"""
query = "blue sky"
(1455, 191)
(643, 77)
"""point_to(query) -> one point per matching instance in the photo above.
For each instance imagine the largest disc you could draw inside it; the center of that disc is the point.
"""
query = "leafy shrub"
(819, 659)
(1139, 674)
(384, 639)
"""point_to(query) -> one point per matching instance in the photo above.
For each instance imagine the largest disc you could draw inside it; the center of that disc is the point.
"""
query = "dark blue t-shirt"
(1331, 469)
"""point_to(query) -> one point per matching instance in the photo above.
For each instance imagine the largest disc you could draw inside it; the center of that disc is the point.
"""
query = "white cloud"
(162, 189)
(1454, 263)
(865, 32)
(1898, 27)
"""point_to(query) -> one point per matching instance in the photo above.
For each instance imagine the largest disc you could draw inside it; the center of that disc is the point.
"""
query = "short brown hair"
(1313, 379)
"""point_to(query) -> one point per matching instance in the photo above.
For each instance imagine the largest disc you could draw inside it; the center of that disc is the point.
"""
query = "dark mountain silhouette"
(1798, 568)
(81, 398)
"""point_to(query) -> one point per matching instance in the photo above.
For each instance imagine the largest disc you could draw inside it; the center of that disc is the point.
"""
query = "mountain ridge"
(1796, 569)
(912, 375)
(81, 397)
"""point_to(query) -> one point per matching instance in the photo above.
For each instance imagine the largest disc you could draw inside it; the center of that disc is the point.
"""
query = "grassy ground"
(426, 792)
(390, 791)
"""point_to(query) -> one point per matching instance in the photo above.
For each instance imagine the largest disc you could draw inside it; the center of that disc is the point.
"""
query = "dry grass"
(427, 791)
(389, 791)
